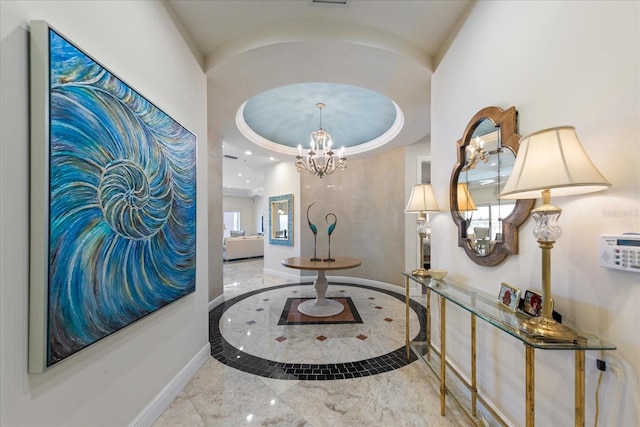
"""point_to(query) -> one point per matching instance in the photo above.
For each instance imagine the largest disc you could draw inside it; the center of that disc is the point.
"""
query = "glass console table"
(486, 308)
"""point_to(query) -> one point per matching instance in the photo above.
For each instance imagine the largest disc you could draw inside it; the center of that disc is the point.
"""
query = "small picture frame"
(532, 303)
(509, 297)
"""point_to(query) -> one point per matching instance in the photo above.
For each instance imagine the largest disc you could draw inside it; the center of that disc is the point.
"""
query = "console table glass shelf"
(485, 307)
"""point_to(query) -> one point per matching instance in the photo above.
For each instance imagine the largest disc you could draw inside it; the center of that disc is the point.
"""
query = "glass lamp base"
(420, 272)
(546, 328)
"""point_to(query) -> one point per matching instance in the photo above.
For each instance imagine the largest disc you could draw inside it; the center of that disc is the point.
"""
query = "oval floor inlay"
(288, 352)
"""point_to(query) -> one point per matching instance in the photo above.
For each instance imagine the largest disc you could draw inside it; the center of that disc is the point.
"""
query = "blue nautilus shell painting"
(122, 204)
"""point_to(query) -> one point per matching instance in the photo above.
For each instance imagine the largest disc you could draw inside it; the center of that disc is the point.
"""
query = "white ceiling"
(252, 46)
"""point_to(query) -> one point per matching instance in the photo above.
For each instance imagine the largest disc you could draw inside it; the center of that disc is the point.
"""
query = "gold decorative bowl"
(437, 274)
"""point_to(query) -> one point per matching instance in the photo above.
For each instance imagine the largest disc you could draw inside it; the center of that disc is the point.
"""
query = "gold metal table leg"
(530, 385)
(428, 324)
(579, 417)
(443, 359)
(474, 385)
(406, 292)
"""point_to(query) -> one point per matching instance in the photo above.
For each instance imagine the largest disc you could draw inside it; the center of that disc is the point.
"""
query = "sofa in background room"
(242, 247)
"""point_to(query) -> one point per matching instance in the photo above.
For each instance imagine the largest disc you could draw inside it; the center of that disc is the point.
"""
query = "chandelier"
(475, 153)
(320, 159)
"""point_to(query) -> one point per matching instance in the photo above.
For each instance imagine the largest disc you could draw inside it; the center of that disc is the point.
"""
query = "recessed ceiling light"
(248, 153)
(248, 182)
(272, 158)
(239, 174)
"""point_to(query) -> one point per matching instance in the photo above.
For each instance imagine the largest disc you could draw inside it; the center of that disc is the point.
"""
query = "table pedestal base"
(321, 307)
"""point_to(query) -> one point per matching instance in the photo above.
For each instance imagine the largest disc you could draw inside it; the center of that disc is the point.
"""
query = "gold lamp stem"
(547, 310)
(546, 246)
(546, 232)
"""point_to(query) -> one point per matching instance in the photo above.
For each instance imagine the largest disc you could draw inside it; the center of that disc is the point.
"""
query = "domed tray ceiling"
(356, 118)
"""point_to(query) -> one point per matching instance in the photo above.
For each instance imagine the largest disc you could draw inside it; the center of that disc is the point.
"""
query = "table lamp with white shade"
(422, 202)
(466, 206)
(551, 161)
(465, 202)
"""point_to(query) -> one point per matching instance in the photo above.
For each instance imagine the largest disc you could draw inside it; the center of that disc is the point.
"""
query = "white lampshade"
(422, 199)
(465, 202)
(552, 159)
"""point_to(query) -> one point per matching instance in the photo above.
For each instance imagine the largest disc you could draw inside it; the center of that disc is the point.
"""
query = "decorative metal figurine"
(314, 229)
(329, 231)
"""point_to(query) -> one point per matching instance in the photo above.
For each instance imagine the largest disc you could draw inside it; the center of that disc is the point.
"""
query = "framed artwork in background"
(113, 203)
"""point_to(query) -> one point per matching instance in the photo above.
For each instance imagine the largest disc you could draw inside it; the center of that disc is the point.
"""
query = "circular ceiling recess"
(358, 119)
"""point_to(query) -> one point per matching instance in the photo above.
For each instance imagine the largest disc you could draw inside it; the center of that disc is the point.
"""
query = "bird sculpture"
(314, 229)
(332, 226)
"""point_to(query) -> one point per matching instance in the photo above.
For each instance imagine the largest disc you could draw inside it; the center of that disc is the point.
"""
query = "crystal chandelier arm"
(311, 161)
(304, 164)
(328, 164)
(320, 158)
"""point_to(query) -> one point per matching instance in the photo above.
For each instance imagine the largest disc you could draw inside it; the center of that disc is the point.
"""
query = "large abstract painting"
(113, 203)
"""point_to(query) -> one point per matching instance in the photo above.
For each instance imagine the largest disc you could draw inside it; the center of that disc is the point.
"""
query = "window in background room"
(498, 213)
(425, 172)
(231, 221)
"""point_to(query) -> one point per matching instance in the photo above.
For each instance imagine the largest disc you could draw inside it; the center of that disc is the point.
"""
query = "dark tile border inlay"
(225, 353)
(319, 320)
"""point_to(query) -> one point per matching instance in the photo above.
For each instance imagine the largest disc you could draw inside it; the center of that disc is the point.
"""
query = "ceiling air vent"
(230, 157)
(330, 1)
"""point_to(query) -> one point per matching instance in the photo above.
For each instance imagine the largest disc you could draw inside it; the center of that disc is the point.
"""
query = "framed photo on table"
(532, 303)
(509, 297)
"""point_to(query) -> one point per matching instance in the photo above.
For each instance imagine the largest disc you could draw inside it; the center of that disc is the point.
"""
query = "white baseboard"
(308, 279)
(295, 277)
(162, 401)
(330, 278)
(368, 282)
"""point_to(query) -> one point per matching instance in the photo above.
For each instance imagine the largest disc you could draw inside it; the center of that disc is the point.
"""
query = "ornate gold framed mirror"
(487, 225)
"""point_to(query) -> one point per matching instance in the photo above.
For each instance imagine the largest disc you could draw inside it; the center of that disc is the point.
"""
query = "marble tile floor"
(221, 395)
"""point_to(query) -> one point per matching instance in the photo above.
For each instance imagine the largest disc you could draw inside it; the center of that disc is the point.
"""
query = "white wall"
(214, 213)
(111, 382)
(280, 179)
(560, 63)
(368, 200)
(415, 154)
(260, 214)
(247, 208)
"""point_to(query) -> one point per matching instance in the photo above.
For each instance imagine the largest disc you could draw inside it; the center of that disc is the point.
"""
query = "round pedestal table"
(321, 307)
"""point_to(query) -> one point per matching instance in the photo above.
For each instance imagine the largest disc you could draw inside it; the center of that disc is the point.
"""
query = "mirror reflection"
(487, 225)
(487, 167)
(281, 220)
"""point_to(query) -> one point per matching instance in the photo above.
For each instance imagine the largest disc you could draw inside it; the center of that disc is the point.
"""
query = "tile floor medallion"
(291, 316)
(246, 333)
